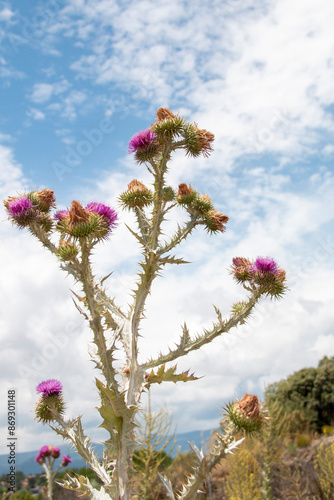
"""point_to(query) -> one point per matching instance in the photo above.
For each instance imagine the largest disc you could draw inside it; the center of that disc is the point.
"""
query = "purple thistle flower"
(44, 451)
(66, 460)
(40, 459)
(141, 140)
(19, 206)
(49, 387)
(60, 214)
(99, 208)
(265, 265)
(55, 452)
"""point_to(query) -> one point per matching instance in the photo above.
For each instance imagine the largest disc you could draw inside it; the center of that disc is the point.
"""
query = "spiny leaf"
(139, 238)
(112, 404)
(109, 321)
(172, 260)
(168, 485)
(164, 374)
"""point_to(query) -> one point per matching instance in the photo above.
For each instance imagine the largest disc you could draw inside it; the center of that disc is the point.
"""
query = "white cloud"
(42, 92)
(36, 114)
(11, 175)
(6, 13)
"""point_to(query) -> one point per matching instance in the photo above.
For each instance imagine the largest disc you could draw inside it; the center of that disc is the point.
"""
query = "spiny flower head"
(67, 250)
(109, 214)
(142, 141)
(241, 269)
(265, 265)
(136, 186)
(268, 276)
(246, 415)
(205, 140)
(46, 199)
(198, 141)
(60, 214)
(55, 451)
(96, 220)
(263, 273)
(137, 195)
(77, 213)
(19, 206)
(186, 194)
(45, 451)
(40, 459)
(49, 387)
(165, 114)
(215, 221)
(51, 401)
(66, 460)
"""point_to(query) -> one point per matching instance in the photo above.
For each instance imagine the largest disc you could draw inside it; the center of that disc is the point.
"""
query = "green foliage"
(243, 479)
(309, 391)
(24, 495)
(303, 441)
(324, 465)
(327, 430)
(154, 437)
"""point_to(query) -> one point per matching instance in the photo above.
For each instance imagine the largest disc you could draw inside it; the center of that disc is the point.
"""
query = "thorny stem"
(49, 477)
(96, 320)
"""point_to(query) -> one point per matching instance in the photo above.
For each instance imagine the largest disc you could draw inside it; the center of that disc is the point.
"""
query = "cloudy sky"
(78, 79)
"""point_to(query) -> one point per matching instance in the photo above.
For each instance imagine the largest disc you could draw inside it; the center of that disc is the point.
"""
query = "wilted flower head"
(142, 140)
(241, 269)
(136, 186)
(49, 387)
(46, 199)
(246, 415)
(137, 195)
(184, 190)
(215, 221)
(66, 460)
(205, 140)
(77, 213)
(109, 214)
(165, 114)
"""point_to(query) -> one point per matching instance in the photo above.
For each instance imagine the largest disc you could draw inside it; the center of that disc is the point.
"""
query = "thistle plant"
(77, 231)
(46, 458)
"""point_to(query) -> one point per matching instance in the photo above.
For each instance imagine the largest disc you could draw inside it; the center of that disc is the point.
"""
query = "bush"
(309, 392)
(303, 441)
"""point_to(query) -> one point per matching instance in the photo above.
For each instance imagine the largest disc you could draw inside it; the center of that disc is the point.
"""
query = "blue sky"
(78, 79)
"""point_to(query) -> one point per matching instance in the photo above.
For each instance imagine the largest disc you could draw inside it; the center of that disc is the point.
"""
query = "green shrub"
(324, 465)
(303, 441)
(327, 430)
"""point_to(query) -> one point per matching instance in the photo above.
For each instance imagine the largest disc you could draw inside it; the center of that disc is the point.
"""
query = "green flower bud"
(67, 251)
(48, 407)
(168, 193)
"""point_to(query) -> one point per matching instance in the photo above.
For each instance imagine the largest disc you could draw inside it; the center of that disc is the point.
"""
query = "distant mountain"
(25, 461)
